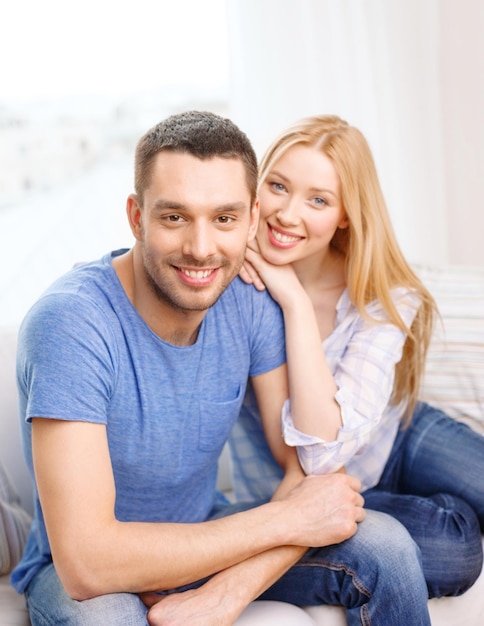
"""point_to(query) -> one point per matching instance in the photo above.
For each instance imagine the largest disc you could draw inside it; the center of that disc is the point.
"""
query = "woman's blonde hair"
(374, 261)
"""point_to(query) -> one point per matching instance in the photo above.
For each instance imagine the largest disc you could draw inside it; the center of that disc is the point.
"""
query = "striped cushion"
(454, 374)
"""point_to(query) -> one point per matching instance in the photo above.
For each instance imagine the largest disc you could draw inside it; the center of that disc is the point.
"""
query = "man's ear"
(134, 213)
(254, 219)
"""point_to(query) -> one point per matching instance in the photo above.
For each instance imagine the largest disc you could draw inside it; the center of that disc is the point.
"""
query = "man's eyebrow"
(162, 204)
(231, 206)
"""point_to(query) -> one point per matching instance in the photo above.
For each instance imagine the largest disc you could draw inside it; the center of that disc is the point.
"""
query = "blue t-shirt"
(85, 354)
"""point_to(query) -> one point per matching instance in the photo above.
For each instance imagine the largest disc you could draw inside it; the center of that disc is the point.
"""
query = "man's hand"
(196, 607)
(324, 509)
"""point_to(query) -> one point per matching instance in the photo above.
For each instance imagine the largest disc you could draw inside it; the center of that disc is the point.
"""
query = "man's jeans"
(377, 574)
(381, 574)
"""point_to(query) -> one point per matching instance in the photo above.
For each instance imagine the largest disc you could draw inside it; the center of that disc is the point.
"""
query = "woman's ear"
(134, 213)
(345, 222)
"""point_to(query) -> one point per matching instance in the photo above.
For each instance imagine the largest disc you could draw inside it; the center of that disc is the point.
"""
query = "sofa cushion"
(11, 455)
(454, 373)
(14, 524)
(14, 520)
(13, 611)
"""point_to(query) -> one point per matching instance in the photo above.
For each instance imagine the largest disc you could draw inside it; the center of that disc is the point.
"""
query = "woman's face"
(300, 207)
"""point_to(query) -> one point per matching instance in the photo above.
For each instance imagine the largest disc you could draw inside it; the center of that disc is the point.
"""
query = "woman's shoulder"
(406, 301)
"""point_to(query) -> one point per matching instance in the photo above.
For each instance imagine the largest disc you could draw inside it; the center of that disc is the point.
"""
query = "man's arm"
(95, 554)
(223, 598)
(226, 595)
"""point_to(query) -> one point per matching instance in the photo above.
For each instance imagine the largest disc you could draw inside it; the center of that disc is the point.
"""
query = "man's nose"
(200, 242)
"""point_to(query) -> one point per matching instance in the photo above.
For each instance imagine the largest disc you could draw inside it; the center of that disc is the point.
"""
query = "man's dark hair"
(199, 133)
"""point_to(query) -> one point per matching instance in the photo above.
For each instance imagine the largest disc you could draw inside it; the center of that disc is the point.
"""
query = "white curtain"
(408, 73)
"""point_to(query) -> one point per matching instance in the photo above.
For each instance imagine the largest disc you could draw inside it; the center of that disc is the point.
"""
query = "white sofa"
(454, 380)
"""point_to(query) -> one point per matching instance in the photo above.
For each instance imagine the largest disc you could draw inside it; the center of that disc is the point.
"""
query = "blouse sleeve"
(364, 377)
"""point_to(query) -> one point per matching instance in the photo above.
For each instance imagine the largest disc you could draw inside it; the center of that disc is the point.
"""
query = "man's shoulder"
(256, 312)
(79, 294)
(243, 303)
(241, 291)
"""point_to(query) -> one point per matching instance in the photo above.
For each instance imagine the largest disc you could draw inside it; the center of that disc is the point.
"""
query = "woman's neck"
(324, 281)
(322, 273)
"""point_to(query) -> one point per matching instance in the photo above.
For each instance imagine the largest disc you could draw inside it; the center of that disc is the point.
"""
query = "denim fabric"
(377, 575)
(433, 484)
(49, 605)
(366, 574)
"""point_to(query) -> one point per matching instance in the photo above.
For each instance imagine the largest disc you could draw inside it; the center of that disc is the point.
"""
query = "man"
(131, 373)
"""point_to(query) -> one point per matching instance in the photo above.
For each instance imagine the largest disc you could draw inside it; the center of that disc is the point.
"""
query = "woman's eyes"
(277, 186)
(319, 201)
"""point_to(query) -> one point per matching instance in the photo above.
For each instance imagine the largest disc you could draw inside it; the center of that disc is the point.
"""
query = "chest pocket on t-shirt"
(216, 421)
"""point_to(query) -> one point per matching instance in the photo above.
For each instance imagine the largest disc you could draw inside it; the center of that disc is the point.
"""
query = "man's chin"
(196, 303)
(193, 301)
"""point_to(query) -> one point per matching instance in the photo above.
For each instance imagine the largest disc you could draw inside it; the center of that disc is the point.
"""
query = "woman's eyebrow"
(323, 191)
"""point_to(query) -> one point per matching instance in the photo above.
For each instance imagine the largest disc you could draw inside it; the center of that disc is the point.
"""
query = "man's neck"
(175, 326)
(179, 337)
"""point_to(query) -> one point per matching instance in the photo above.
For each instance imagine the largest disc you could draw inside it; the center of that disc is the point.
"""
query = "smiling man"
(131, 373)
(191, 234)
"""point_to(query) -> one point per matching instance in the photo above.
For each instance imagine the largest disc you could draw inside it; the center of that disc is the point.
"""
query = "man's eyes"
(175, 218)
(225, 219)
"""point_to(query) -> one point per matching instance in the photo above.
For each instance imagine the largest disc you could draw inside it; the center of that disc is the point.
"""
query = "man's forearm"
(225, 596)
(246, 581)
(137, 557)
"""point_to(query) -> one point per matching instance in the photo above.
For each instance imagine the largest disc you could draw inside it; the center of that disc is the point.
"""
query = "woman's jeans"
(432, 484)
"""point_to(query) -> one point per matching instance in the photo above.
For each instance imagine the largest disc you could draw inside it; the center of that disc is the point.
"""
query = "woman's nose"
(289, 214)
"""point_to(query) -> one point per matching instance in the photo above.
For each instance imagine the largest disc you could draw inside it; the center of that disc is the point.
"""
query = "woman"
(327, 253)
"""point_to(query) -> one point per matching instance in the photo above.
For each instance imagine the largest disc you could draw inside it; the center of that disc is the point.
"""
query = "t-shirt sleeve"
(65, 363)
(268, 349)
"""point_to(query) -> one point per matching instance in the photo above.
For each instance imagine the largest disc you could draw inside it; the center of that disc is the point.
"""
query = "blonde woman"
(358, 322)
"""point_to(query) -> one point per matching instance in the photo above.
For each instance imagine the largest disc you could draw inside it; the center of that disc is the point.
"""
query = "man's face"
(193, 228)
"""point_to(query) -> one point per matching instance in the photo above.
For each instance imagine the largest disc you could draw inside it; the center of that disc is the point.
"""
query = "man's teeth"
(284, 238)
(198, 275)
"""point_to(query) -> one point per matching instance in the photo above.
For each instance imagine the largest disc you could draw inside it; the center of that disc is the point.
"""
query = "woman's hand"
(249, 274)
(280, 280)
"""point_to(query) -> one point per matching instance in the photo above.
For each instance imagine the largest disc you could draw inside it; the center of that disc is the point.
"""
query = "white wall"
(408, 74)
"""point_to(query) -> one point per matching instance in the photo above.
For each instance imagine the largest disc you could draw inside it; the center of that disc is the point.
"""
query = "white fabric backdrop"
(408, 74)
